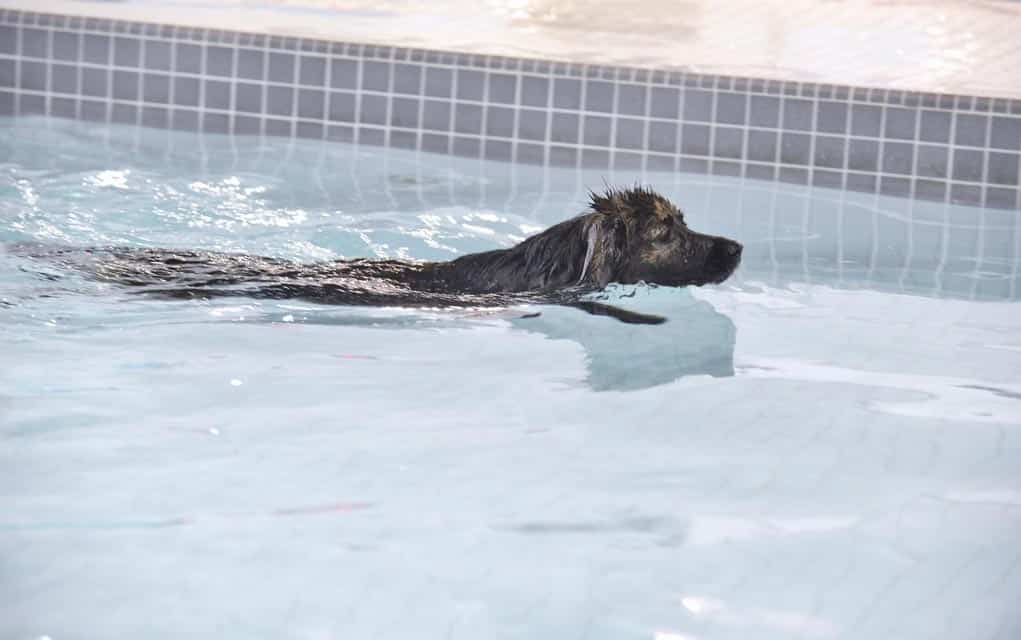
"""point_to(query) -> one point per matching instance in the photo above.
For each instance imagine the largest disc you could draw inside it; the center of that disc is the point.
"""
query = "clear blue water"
(825, 446)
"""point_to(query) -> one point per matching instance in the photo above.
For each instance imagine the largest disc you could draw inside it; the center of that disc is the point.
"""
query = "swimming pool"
(824, 446)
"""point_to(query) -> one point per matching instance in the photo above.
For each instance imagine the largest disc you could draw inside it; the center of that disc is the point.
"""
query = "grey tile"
(597, 131)
(532, 124)
(564, 128)
(95, 82)
(251, 64)
(156, 88)
(965, 194)
(793, 176)
(631, 99)
(312, 71)
(59, 108)
(127, 52)
(280, 101)
(932, 161)
(124, 114)
(797, 115)
(219, 61)
(343, 74)
(468, 118)
(624, 161)
(898, 157)
(280, 67)
(217, 94)
(373, 110)
(695, 140)
(65, 45)
(968, 165)
(498, 150)
(595, 159)
(899, 187)
(342, 106)
(372, 137)
(502, 88)
(469, 84)
(1002, 168)
(865, 120)
(7, 102)
(1001, 198)
(935, 126)
(765, 111)
(630, 133)
(188, 58)
(900, 123)
(663, 136)
(728, 142)
(760, 172)
(31, 104)
(33, 43)
(434, 143)
(665, 103)
(184, 119)
(500, 122)
(248, 97)
(8, 73)
(340, 133)
(698, 105)
(403, 139)
(655, 162)
(281, 128)
(534, 91)
(157, 117)
(530, 153)
(935, 190)
(436, 115)
(8, 40)
(693, 165)
(795, 148)
(762, 146)
(730, 108)
(1005, 133)
(407, 79)
(827, 179)
(404, 113)
(125, 85)
(33, 75)
(309, 130)
(311, 104)
(970, 130)
(438, 82)
(829, 152)
(599, 96)
(63, 77)
(157, 55)
(93, 110)
(96, 48)
(563, 156)
(863, 155)
(566, 93)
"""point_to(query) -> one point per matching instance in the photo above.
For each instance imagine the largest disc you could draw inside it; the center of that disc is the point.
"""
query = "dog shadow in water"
(697, 340)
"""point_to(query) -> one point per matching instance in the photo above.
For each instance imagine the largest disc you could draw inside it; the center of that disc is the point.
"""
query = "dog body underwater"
(626, 236)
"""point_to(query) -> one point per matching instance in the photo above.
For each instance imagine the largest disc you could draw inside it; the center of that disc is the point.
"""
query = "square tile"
(343, 74)
(863, 155)
(599, 96)
(728, 142)
(898, 157)
(157, 55)
(935, 126)
(502, 88)
(280, 101)
(33, 75)
(59, 107)
(566, 93)
(970, 130)
(1005, 133)
(436, 115)
(695, 140)
(762, 146)
(865, 120)
(794, 148)
(730, 108)
(534, 91)
(631, 99)
(186, 91)
(765, 111)
(127, 52)
(311, 104)
(407, 79)
(217, 95)
(1002, 168)
(124, 114)
(663, 136)
(468, 119)
(565, 128)
(63, 77)
(630, 133)
(156, 88)
(96, 49)
(219, 61)
(900, 123)
(438, 82)
(188, 58)
(65, 45)
(532, 124)
(95, 82)
(251, 64)
(597, 131)
(797, 115)
(373, 110)
(34, 43)
(312, 71)
(829, 152)
(932, 161)
(665, 103)
(469, 85)
(968, 165)
(281, 67)
(698, 105)
(498, 150)
(125, 85)
(248, 97)
(342, 106)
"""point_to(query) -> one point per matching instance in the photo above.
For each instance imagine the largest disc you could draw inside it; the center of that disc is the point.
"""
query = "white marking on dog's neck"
(588, 253)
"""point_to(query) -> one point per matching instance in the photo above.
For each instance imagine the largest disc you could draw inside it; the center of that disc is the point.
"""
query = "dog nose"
(733, 249)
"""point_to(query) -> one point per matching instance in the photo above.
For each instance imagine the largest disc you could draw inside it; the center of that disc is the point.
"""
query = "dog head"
(636, 235)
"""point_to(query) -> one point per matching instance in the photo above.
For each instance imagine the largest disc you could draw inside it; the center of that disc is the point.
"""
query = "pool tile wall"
(946, 148)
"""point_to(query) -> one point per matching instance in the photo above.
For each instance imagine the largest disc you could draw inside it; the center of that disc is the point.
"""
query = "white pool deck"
(948, 46)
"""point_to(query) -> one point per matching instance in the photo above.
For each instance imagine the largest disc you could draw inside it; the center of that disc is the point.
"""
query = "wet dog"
(627, 236)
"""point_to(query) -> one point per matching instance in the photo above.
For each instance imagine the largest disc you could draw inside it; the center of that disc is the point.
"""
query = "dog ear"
(606, 251)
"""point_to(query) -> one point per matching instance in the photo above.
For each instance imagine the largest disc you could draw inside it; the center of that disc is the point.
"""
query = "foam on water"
(827, 445)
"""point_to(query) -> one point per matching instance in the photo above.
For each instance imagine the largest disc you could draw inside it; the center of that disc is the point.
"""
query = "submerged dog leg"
(628, 317)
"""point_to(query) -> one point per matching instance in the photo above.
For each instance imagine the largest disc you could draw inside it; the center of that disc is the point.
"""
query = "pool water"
(827, 445)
